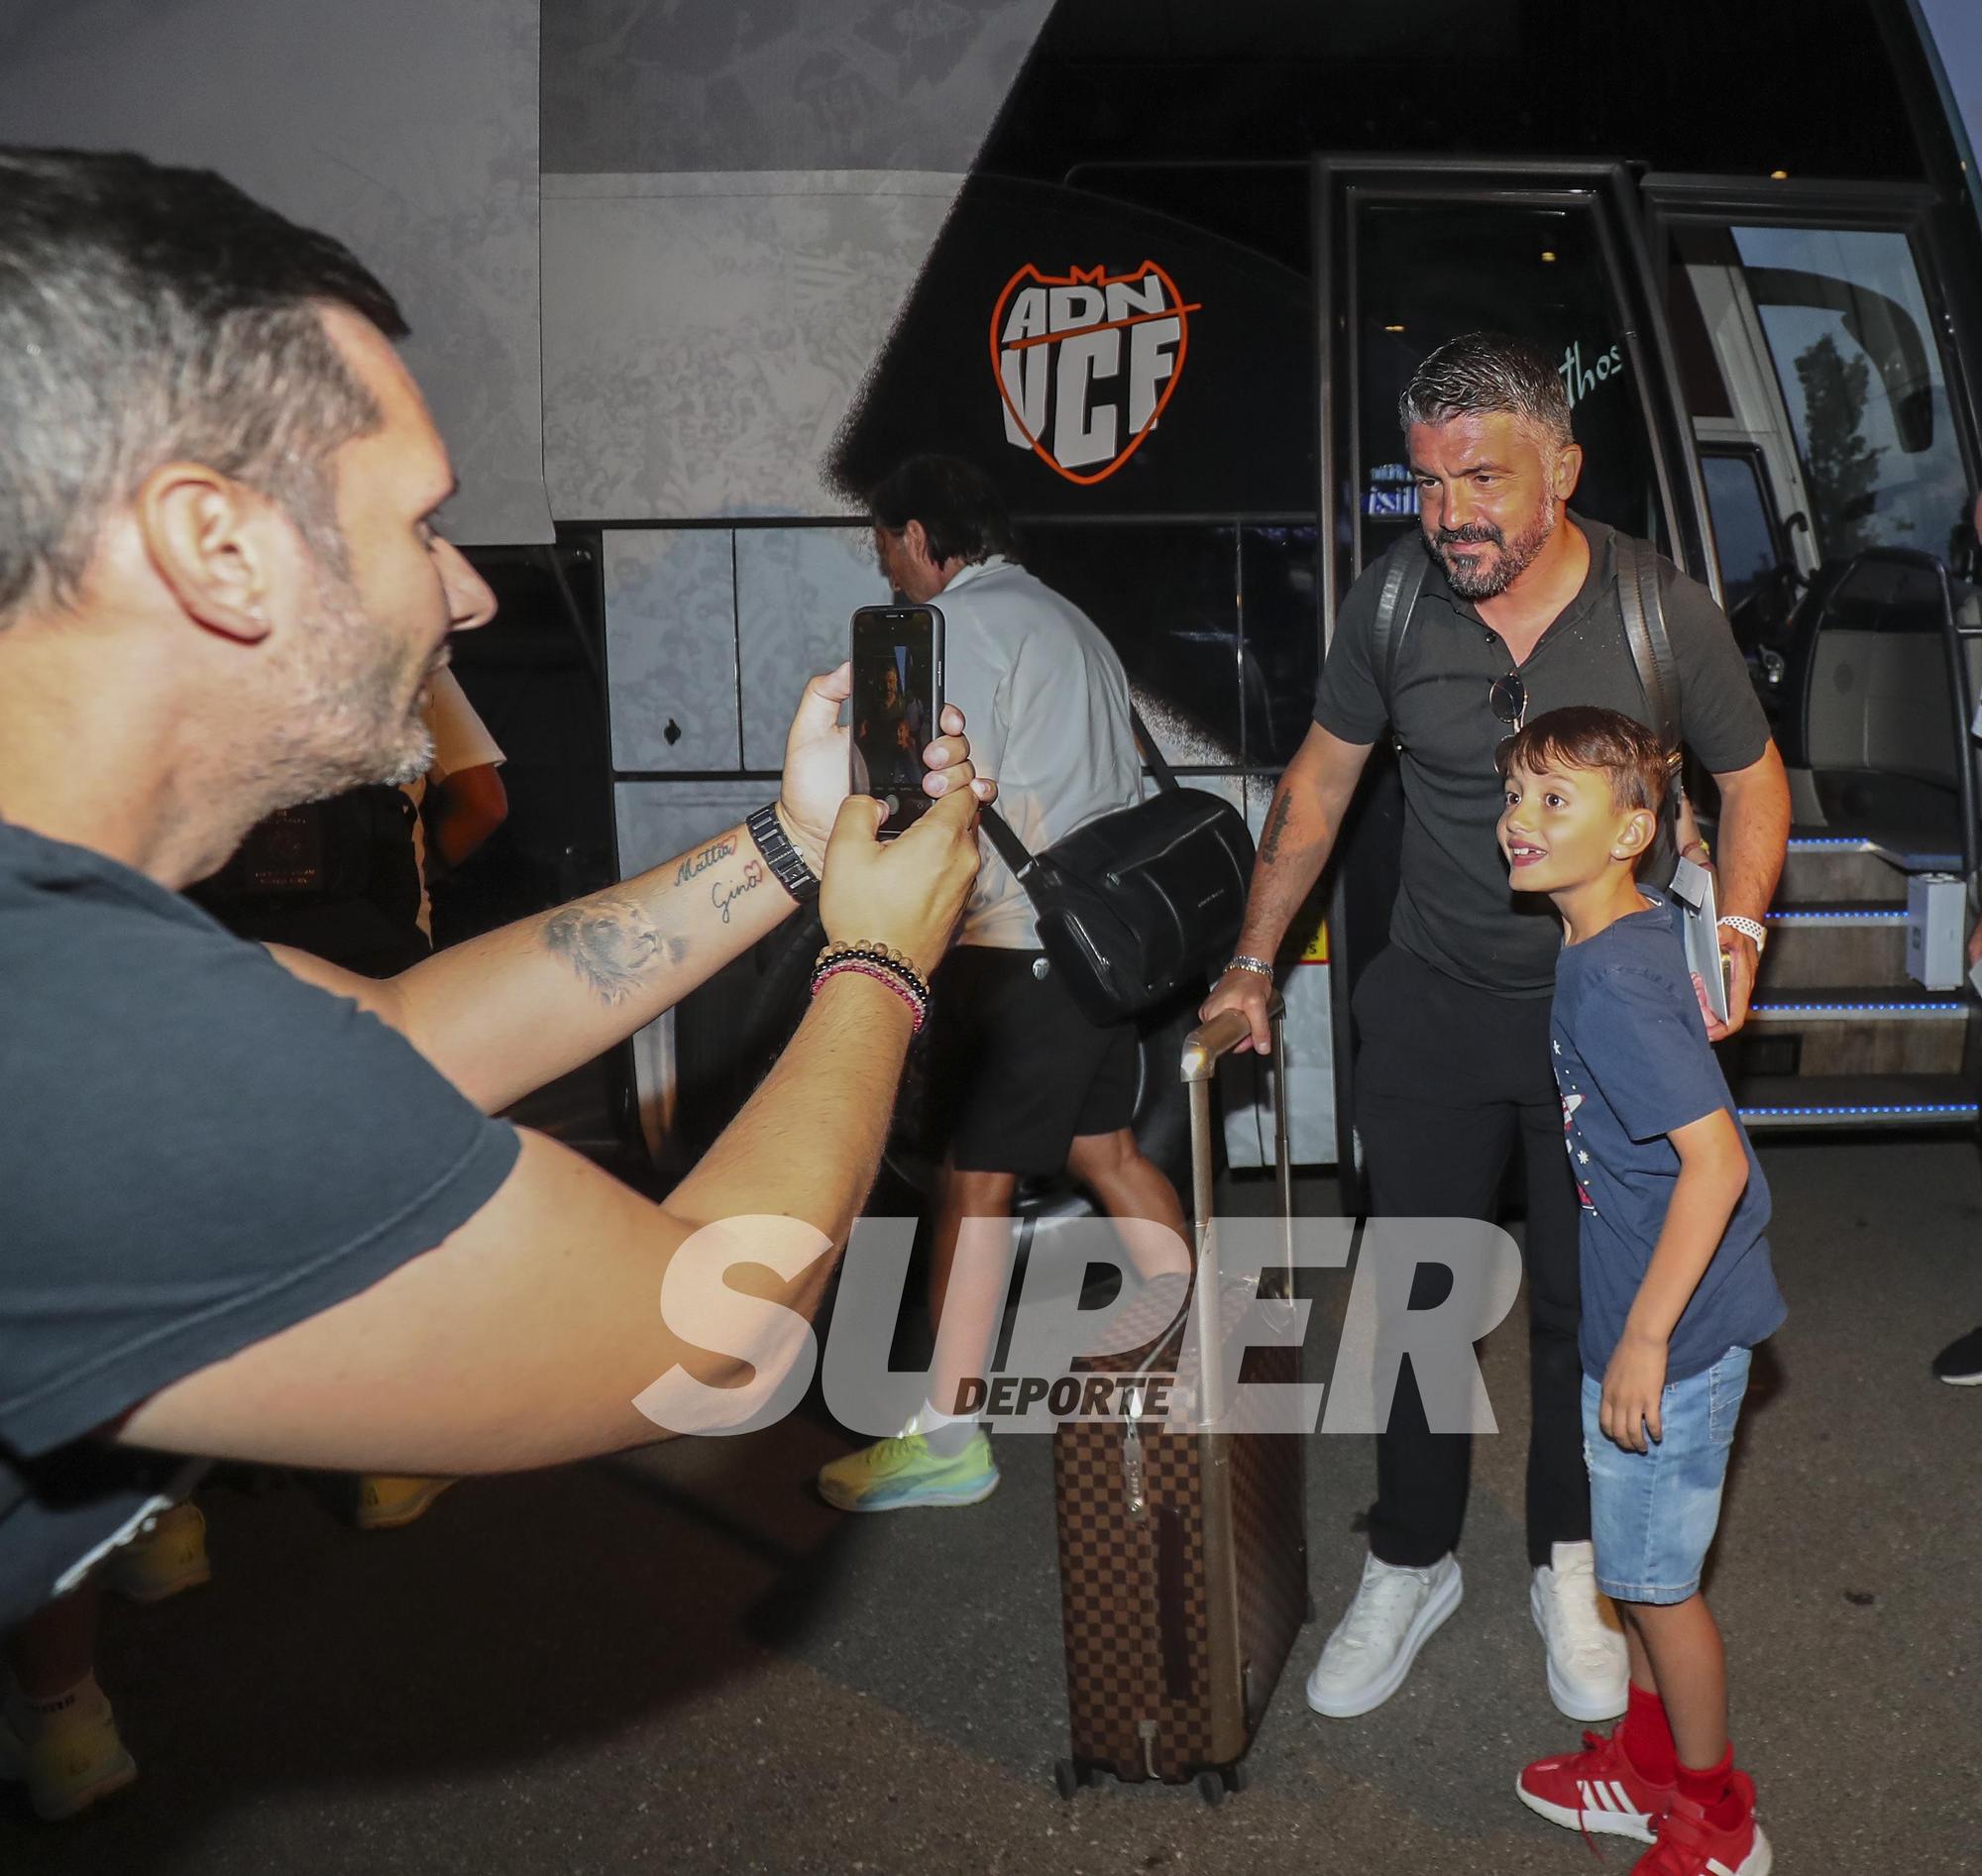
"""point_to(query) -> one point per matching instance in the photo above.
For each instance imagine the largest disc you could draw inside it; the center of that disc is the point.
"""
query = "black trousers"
(1450, 1081)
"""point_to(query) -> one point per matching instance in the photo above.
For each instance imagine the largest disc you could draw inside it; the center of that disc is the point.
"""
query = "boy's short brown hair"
(1583, 736)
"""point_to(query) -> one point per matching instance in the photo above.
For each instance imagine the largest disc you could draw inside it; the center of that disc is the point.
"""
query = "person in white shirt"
(1024, 1085)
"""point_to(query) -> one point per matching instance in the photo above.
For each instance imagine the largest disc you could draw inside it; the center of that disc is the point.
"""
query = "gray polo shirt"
(1454, 910)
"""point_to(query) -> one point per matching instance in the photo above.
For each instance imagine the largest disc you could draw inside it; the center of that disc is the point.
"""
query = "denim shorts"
(1654, 1513)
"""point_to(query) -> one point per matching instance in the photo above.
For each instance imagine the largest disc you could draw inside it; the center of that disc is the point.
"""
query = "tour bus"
(1170, 309)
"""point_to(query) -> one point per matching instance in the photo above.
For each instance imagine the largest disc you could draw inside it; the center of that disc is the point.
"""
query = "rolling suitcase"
(1182, 1555)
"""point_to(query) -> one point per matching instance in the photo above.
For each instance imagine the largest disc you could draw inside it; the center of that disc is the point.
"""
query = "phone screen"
(897, 698)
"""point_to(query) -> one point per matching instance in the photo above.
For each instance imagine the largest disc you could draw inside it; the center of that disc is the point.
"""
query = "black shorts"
(1016, 1072)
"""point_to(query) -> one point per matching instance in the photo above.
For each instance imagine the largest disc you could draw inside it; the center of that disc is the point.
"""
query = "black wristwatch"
(785, 862)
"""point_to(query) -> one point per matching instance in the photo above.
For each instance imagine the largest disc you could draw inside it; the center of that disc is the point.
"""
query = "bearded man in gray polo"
(1518, 613)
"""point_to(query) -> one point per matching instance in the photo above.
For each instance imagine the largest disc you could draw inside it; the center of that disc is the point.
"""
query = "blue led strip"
(1954, 1109)
(1895, 917)
(1854, 1008)
(1807, 842)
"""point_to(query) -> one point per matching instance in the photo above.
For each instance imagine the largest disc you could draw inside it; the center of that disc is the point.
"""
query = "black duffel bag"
(1139, 902)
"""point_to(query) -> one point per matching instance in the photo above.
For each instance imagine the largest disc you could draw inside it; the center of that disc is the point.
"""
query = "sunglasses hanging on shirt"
(1508, 698)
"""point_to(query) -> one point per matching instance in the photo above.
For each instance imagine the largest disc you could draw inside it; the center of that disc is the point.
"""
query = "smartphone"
(897, 700)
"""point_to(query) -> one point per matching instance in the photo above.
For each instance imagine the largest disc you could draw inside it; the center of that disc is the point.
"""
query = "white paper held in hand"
(1699, 920)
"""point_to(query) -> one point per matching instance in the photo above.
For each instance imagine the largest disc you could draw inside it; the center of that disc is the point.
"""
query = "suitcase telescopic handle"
(1220, 1036)
(1202, 1049)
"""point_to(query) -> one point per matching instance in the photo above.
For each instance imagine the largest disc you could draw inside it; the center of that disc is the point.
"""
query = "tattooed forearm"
(703, 861)
(611, 944)
(723, 897)
(1275, 830)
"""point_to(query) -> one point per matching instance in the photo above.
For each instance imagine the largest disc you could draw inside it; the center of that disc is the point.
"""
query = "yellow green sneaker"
(67, 1751)
(386, 1501)
(898, 1474)
(167, 1555)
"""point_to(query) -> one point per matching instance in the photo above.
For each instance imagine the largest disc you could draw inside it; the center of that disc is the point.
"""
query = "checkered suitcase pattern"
(1178, 1619)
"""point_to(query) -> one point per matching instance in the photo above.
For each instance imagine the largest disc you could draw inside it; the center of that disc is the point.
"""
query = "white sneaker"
(1589, 1668)
(1393, 1615)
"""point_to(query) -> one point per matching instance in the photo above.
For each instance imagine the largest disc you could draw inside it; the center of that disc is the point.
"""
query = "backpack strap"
(1014, 851)
(1643, 607)
(1010, 849)
(1155, 757)
(1403, 579)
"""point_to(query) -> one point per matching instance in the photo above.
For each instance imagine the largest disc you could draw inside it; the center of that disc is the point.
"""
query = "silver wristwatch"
(1259, 966)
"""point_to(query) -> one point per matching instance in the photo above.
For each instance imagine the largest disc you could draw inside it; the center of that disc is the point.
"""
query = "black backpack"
(1140, 901)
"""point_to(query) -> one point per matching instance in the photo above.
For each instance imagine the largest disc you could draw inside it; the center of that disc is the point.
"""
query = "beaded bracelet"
(881, 974)
(878, 954)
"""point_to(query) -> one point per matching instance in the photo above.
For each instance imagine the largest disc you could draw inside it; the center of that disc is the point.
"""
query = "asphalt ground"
(681, 1660)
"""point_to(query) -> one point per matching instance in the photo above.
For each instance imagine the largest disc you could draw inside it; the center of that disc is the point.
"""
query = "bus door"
(1766, 384)
(1820, 351)
(1410, 253)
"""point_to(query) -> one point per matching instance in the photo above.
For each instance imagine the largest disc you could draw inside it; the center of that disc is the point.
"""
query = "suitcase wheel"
(1069, 1777)
(1214, 1783)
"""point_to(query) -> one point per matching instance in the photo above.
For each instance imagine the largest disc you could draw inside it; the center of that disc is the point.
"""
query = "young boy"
(1677, 1288)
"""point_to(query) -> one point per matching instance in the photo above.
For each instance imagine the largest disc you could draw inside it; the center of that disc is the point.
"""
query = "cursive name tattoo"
(703, 861)
(1275, 830)
(723, 897)
(611, 944)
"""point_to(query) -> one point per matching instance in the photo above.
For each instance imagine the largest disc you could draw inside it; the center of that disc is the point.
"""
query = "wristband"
(882, 974)
(785, 862)
(1749, 928)
(875, 952)
(1257, 965)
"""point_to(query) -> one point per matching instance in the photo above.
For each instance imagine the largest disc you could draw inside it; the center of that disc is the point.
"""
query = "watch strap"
(1748, 927)
(788, 865)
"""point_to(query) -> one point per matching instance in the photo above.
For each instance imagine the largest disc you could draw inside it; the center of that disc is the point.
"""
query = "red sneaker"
(1597, 1789)
(1689, 1845)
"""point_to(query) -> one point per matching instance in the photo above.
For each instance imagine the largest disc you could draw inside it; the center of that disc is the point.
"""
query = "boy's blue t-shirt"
(1633, 1063)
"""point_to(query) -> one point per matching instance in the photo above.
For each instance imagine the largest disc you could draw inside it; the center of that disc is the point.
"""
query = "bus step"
(1873, 1102)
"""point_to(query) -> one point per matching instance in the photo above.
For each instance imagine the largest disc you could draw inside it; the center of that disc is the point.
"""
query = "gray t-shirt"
(1047, 704)
(197, 1151)
(1454, 910)
(1633, 1066)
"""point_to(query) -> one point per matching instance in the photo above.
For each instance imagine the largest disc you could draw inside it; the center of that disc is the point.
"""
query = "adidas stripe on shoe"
(1596, 1790)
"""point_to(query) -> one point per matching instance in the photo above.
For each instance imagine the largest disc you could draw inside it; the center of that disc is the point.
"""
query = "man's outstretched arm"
(1302, 822)
(525, 1337)
(513, 1009)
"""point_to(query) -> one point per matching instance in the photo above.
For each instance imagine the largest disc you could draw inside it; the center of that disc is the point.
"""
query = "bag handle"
(1146, 745)
(1014, 851)
(1011, 849)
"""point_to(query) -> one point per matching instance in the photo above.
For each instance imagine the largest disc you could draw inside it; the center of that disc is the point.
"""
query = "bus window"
(1744, 525)
(1426, 272)
(1813, 348)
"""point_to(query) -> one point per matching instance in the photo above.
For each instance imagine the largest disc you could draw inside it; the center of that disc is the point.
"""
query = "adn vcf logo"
(1086, 361)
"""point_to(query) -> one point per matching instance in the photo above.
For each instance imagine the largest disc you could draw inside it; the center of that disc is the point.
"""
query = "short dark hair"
(1583, 736)
(1487, 373)
(960, 510)
(150, 314)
